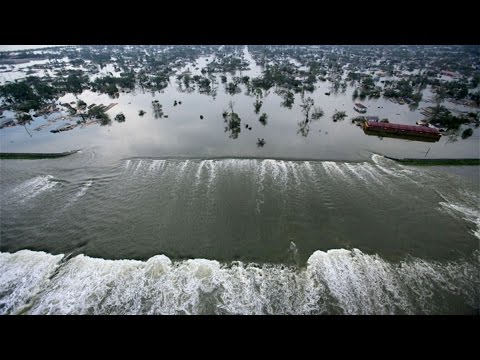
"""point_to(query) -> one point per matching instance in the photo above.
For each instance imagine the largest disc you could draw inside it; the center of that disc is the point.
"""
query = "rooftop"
(412, 128)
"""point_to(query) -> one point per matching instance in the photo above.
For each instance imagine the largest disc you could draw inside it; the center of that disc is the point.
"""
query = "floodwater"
(172, 216)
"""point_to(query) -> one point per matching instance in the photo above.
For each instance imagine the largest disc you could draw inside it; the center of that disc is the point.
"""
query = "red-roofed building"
(382, 128)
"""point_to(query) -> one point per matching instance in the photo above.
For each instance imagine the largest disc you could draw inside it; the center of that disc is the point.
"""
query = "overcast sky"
(22, 47)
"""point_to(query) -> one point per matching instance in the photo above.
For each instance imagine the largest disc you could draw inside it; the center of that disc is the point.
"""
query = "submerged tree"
(81, 104)
(105, 120)
(23, 118)
(98, 112)
(257, 104)
(467, 133)
(306, 106)
(355, 94)
(263, 119)
(233, 88)
(233, 122)
(303, 128)
(304, 125)
(120, 117)
(213, 86)
(157, 109)
(288, 98)
(317, 113)
(339, 115)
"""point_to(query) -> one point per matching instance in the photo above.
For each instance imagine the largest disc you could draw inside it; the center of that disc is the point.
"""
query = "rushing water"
(282, 236)
(171, 216)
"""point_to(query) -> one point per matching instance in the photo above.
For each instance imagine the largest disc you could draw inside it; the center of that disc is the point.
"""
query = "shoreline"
(436, 161)
(33, 156)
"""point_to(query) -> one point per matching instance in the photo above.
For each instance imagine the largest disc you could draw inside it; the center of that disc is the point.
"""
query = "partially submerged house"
(372, 118)
(401, 131)
(360, 108)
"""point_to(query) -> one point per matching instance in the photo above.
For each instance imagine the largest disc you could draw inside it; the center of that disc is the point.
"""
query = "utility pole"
(427, 151)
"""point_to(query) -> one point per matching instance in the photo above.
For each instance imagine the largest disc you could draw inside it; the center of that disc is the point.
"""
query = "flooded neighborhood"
(240, 179)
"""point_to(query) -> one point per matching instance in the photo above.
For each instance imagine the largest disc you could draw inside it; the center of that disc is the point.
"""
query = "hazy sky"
(22, 47)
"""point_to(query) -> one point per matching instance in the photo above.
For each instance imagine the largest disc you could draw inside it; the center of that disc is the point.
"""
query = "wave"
(81, 192)
(84, 189)
(23, 274)
(33, 187)
(462, 204)
(281, 172)
(333, 282)
(467, 213)
(291, 181)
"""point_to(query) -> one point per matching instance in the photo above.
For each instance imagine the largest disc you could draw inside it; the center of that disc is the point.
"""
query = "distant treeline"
(406, 71)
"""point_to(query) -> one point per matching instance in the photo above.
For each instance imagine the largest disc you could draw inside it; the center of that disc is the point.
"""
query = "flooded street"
(183, 215)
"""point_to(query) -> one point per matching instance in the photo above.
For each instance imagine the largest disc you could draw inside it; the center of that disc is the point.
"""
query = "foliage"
(317, 113)
(441, 116)
(120, 117)
(260, 142)
(98, 113)
(23, 118)
(263, 119)
(306, 105)
(81, 104)
(467, 133)
(288, 99)
(233, 122)
(339, 115)
(257, 104)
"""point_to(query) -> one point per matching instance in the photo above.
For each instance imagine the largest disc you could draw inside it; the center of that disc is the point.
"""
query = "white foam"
(390, 167)
(388, 171)
(138, 167)
(307, 165)
(156, 165)
(360, 283)
(34, 187)
(336, 281)
(238, 165)
(230, 164)
(278, 170)
(162, 165)
(355, 170)
(153, 165)
(334, 170)
(308, 169)
(293, 167)
(22, 275)
(284, 171)
(381, 160)
(199, 172)
(470, 214)
(407, 171)
(260, 179)
(427, 280)
(183, 167)
(84, 189)
(374, 174)
(377, 158)
(294, 252)
(273, 167)
(212, 166)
